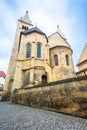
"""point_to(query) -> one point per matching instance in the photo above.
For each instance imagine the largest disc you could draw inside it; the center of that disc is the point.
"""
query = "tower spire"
(59, 31)
(26, 11)
(25, 18)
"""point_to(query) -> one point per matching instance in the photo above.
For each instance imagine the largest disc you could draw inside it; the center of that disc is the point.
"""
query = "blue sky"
(70, 15)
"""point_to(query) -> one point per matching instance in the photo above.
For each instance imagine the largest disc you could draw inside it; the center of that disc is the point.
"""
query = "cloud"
(4, 64)
(47, 14)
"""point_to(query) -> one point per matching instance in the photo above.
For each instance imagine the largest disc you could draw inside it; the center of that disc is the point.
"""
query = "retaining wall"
(67, 96)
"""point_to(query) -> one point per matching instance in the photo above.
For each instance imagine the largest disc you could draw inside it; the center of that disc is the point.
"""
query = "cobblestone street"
(18, 117)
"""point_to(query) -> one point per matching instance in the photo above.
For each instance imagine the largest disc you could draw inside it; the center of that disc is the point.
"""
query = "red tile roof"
(2, 74)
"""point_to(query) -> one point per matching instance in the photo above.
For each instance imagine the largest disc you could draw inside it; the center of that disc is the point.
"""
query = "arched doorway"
(44, 79)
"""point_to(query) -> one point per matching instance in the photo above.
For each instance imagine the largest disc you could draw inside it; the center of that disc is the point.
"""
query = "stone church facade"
(36, 58)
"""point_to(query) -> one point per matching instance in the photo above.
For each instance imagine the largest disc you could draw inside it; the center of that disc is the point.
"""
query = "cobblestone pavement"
(18, 117)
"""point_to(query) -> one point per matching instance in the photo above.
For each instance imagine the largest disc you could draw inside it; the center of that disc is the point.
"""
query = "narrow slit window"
(39, 50)
(56, 60)
(28, 53)
(67, 60)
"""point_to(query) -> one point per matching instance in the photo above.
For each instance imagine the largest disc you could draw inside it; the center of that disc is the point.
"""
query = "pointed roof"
(59, 38)
(83, 56)
(25, 18)
(59, 31)
(34, 29)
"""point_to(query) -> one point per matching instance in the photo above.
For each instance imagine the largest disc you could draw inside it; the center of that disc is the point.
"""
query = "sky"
(70, 15)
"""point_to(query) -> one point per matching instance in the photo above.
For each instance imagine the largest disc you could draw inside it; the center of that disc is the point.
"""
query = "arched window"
(39, 50)
(67, 60)
(56, 60)
(28, 53)
(44, 79)
(22, 26)
(27, 28)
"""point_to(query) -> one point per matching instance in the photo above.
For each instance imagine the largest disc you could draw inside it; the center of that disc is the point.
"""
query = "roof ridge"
(35, 29)
(83, 55)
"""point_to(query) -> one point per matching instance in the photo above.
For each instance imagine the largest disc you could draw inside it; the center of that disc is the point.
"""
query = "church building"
(37, 58)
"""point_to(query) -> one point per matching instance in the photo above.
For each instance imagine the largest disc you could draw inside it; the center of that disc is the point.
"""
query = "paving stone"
(18, 117)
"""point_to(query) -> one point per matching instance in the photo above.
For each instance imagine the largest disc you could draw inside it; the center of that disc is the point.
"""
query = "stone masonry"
(67, 96)
(54, 61)
(18, 117)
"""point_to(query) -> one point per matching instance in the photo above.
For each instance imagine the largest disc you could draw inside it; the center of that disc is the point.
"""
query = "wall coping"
(81, 71)
(74, 79)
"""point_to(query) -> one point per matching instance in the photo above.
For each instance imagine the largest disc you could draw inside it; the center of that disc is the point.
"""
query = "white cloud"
(4, 64)
(47, 14)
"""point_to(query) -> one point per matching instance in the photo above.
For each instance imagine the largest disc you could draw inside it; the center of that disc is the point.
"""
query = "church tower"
(23, 23)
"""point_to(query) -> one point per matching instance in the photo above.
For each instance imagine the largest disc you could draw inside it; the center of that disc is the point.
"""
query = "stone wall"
(67, 96)
(81, 73)
(62, 70)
